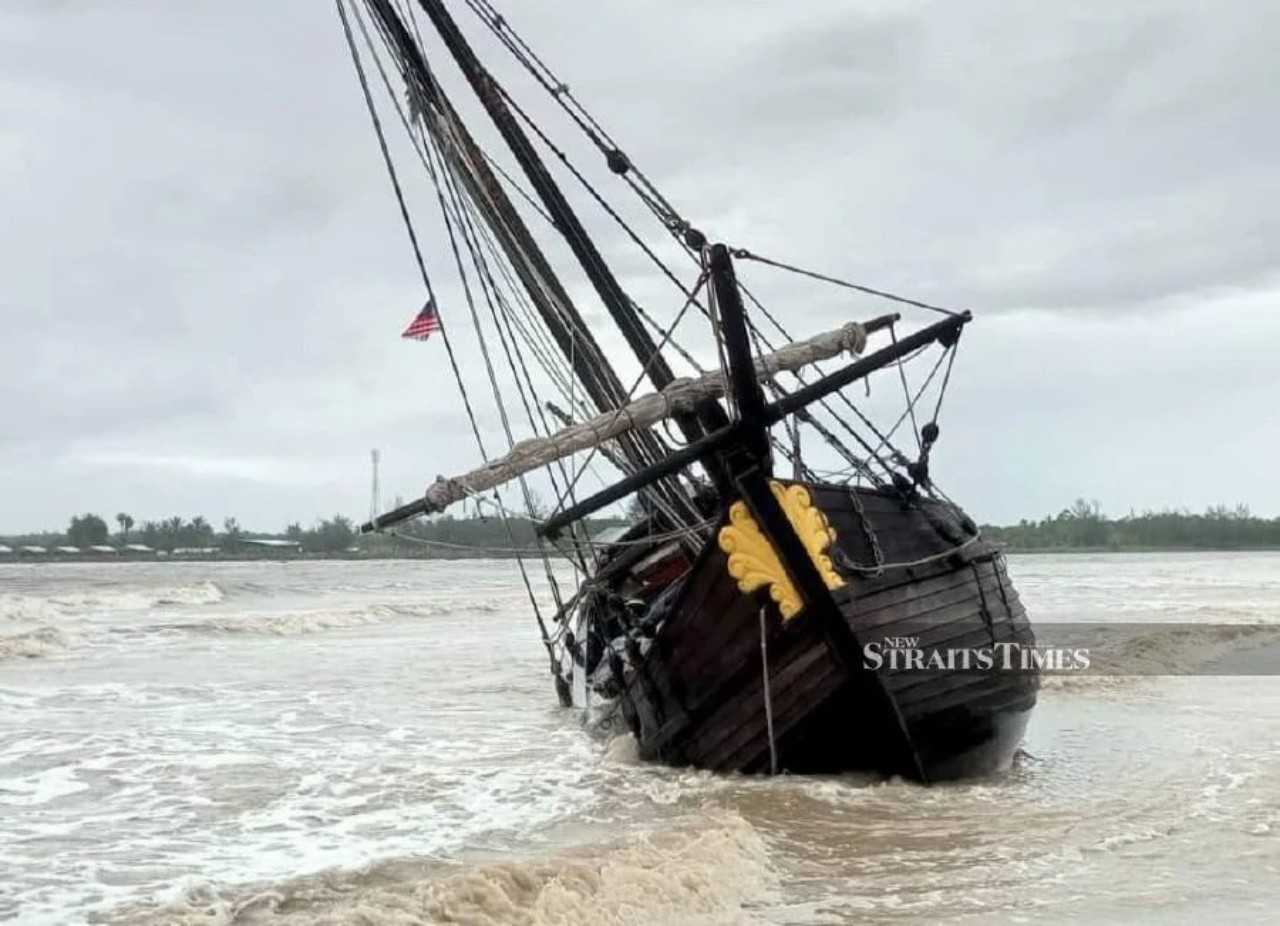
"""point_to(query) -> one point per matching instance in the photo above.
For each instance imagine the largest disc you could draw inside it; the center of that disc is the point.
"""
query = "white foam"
(41, 787)
(33, 644)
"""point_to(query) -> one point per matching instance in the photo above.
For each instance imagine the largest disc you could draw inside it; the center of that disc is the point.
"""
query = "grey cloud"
(204, 272)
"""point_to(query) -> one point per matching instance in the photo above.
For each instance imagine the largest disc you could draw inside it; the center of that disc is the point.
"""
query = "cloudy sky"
(204, 274)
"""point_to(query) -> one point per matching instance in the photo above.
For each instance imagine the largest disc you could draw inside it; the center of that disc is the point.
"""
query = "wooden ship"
(728, 625)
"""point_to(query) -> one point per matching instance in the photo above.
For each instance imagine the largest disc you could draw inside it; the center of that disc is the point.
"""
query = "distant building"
(102, 548)
(5, 550)
(65, 549)
(33, 550)
(270, 543)
(136, 548)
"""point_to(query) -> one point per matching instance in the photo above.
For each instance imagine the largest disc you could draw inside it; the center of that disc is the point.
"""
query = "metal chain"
(877, 555)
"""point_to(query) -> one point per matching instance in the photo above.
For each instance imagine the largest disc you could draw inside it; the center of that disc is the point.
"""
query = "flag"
(425, 324)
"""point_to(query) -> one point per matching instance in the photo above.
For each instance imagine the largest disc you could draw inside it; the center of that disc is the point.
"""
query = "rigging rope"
(603, 203)
(666, 335)
(635, 448)
(377, 123)
(559, 91)
(503, 309)
(744, 254)
(768, 694)
(619, 164)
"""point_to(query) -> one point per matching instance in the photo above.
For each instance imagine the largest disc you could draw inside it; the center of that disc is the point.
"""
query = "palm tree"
(201, 531)
(126, 524)
(231, 533)
(171, 529)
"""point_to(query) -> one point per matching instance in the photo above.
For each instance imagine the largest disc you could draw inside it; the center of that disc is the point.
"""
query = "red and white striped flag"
(426, 324)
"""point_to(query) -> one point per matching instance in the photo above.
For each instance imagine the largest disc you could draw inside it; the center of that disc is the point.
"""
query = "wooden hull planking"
(698, 697)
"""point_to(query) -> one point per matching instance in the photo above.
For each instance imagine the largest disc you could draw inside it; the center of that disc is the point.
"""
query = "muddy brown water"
(378, 742)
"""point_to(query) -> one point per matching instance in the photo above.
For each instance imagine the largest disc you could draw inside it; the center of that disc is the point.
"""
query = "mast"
(563, 321)
(747, 394)
(568, 329)
(597, 271)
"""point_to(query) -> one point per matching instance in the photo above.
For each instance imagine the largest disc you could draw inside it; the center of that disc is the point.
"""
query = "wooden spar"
(946, 330)
(681, 395)
(747, 394)
(751, 466)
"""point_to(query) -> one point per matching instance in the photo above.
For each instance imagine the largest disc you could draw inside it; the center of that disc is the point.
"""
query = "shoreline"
(456, 554)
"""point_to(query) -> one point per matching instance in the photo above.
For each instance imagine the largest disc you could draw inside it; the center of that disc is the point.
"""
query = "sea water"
(355, 741)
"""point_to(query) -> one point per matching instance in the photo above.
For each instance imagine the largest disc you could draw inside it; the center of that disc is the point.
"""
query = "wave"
(1168, 650)
(33, 644)
(27, 607)
(289, 625)
(141, 599)
(297, 623)
(708, 868)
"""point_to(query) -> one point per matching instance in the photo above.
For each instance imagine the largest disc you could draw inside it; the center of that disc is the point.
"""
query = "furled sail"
(678, 398)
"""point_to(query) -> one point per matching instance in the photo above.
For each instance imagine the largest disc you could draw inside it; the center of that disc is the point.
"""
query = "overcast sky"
(204, 273)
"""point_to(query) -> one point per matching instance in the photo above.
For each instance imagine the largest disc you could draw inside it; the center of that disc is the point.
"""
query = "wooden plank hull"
(699, 695)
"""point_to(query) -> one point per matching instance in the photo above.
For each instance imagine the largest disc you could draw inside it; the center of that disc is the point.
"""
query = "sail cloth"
(681, 396)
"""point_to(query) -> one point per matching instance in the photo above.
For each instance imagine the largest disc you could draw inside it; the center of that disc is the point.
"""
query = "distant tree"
(537, 507)
(332, 536)
(126, 524)
(151, 534)
(293, 532)
(171, 532)
(87, 530)
(1083, 526)
(198, 533)
(231, 533)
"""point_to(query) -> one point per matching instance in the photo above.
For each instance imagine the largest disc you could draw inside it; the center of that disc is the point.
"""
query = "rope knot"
(853, 338)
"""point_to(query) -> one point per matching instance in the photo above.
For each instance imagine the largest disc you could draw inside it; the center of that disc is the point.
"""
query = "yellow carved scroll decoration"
(755, 563)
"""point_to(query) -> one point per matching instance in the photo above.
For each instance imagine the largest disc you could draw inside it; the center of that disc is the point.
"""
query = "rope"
(768, 695)
(501, 308)
(560, 92)
(640, 379)
(458, 216)
(377, 123)
(637, 451)
(744, 254)
(846, 564)
(906, 393)
(603, 203)
(946, 379)
(662, 208)
(648, 540)
(911, 402)
(382, 140)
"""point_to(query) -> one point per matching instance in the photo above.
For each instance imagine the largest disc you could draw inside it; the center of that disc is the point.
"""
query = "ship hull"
(707, 694)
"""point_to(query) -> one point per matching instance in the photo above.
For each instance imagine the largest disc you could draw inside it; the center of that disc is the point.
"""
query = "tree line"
(177, 533)
(444, 535)
(1082, 526)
